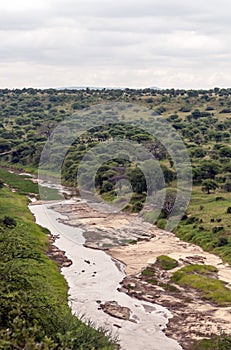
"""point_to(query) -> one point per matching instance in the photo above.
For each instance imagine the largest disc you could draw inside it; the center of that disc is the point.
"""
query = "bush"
(147, 272)
(161, 223)
(227, 186)
(137, 207)
(192, 220)
(222, 241)
(166, 263)
(228, 211)
(219, 199)
(225, 110)
(1, 184)
(106, 187)
(217, 229)
(9, 221)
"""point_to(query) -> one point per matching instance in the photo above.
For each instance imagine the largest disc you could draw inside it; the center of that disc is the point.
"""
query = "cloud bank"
(168, 43)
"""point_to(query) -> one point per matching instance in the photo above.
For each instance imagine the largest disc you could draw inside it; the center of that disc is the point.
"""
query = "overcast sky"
(115, 43)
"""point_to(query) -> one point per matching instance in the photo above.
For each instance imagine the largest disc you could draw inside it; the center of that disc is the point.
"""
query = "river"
(93, 278)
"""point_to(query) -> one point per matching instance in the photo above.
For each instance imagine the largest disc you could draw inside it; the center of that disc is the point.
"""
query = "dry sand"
(198, 319)
(94, 278)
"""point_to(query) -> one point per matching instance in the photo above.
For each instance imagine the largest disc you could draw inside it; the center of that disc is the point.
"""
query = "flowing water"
(93, 278)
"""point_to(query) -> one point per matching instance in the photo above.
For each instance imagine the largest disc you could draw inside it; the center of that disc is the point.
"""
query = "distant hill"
(101, 88)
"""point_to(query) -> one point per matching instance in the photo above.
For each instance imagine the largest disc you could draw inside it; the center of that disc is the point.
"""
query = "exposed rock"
(193, 317)
(103, 230)
(56, 254)
(112, 308)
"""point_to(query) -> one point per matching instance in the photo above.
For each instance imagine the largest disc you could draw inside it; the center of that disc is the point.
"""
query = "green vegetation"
(203, 279)
(21, 183)
(209, 185)
(202, 118)
(27, 119)
(147, 272)
(33, 307)
(222, 342)
(208, 223)
(166, 263)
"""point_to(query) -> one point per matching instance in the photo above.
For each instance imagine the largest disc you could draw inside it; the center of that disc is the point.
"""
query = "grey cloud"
(144, 35)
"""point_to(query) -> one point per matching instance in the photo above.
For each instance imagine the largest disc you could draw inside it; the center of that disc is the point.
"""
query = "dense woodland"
(202, 119)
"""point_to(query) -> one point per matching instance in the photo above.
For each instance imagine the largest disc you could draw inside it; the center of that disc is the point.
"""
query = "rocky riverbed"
(94, 279)
(134, 245)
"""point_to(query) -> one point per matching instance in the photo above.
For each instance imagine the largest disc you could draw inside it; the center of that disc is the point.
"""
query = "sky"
(115, 43)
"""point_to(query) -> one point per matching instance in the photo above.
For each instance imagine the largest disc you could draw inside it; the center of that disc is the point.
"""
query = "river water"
(93, 278)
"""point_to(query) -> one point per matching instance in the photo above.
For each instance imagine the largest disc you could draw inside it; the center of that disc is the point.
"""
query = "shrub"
(137, 207)
(222, 241)
(166, 263)
(219, 199)
(9, 221)
(227, 186)
(1, 184)
(184, 217)
(191, 220)
(225, 110)
(228, 211)
(147, 272)
(217, 229)
(161, 223)
(106, 187)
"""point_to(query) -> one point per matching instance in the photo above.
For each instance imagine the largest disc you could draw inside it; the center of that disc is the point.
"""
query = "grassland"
(208, 223)
(33, 308)
(201, 118)
(203, 279)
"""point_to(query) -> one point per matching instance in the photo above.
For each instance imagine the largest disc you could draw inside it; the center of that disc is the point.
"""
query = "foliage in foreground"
(33, 307)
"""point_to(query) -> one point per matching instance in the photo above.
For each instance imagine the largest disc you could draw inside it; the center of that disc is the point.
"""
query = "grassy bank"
(216, 343)
(208, 223)
(203, 279)
(33, 308)
(23, 185)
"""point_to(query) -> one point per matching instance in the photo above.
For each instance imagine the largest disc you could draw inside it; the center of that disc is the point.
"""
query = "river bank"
(94, 278)
(193, 318)
(34, 308)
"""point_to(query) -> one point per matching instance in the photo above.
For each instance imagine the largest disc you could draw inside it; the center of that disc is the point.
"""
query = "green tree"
(209, 169)
(209, 185)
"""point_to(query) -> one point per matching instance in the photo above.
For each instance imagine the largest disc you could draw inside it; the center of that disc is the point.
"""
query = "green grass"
(166, 263)
(15, 205)
(147, 272)
(205, 214)
(203, 279)
(212, 209)
(222, 342)
(21, 183)
(33, 292)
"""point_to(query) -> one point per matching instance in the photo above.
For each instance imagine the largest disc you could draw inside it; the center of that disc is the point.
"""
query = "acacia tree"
(209, 185)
